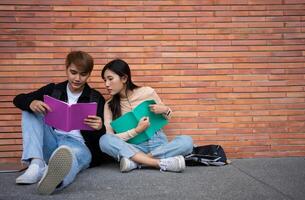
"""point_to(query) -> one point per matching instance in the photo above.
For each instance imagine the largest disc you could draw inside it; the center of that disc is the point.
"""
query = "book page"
(80, 111)
(131, 119)
(58, 118)
(65, 117)
(157, 121)
(124, 123)
(142, 110)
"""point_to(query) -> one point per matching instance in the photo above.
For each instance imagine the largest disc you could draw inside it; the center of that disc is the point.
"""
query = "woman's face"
(114, 83)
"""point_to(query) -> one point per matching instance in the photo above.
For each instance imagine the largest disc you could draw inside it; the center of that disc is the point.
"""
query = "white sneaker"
(32, 175)
(59, 166)
(127, 165)
(173, 164)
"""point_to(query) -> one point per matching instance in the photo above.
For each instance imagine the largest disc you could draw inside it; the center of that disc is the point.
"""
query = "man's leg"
(71, 157)
(38, 140)
(81, 158)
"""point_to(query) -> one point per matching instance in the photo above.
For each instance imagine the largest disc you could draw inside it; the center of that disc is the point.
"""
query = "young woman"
(157, 151)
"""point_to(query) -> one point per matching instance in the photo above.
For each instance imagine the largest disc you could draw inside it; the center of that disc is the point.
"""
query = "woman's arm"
(108, 119)
(160, 108)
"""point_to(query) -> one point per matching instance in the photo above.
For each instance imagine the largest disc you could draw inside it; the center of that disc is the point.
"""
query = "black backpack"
(208, 155)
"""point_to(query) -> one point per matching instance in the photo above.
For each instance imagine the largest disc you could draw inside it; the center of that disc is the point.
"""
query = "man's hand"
(94, 122)
(38, 106)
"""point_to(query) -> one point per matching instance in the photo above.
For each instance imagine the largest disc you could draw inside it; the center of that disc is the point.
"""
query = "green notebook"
(130, 120)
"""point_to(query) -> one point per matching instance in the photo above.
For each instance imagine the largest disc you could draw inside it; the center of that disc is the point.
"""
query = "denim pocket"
(161, 135)
(157, 140)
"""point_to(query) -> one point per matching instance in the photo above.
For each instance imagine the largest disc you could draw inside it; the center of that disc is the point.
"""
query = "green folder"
(131, 119)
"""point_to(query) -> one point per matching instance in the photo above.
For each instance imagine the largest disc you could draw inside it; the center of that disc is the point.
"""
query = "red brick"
(270, 118)
(229, 78)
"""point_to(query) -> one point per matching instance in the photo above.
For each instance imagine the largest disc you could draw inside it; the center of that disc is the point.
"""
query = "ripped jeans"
(40, 141)
(158, 146)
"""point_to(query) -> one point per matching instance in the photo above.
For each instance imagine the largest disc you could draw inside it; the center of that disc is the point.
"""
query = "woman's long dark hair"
(121, 68)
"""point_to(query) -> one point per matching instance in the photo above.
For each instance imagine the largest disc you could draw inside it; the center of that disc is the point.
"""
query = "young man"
(66, 153)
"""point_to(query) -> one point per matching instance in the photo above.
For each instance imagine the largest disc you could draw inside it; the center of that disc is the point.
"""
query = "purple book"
(68, 117)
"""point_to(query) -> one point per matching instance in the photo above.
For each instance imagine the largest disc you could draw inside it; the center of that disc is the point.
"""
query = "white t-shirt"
(72, 99)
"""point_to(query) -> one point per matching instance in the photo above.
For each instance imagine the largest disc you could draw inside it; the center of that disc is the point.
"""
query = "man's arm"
(23, 101)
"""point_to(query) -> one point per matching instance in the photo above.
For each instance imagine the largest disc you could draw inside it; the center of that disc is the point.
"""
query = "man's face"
(76, 78)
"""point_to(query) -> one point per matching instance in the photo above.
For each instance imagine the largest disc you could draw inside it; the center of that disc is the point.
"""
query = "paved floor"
(274, 178)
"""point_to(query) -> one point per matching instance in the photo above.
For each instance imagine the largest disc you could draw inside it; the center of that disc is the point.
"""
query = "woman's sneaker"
(173, 164)
(127, 165)
(59, 166)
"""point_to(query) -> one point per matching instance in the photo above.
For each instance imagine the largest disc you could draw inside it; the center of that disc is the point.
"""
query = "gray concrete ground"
(272, 178)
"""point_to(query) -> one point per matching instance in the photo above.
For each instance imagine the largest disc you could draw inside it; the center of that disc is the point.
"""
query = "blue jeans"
(40, 141)
(158, 146)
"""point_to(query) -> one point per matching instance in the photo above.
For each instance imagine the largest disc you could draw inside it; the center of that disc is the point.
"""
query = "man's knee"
(81, 153)
(26, 114)
(29, 116)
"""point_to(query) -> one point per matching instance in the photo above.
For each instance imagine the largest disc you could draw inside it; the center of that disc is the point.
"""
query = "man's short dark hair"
(82, 60)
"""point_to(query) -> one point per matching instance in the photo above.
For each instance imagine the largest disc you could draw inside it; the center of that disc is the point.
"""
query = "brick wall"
(233, 71)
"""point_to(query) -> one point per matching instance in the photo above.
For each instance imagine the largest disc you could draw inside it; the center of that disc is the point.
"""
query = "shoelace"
(163, 165)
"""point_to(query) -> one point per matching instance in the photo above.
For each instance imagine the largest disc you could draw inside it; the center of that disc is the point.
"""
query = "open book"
(68, 117)
(131, 119)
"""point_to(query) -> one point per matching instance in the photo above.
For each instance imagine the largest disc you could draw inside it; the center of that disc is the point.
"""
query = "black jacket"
(91, 138)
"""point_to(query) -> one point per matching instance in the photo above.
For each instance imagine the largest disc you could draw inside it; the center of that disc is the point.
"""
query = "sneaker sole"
(25, 182)
(30, 180)
(59, 166)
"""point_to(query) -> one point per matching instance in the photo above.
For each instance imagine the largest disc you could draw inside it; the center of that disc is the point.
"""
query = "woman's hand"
(38, 106)
(158, 108)
(142, 125)
(94, 122)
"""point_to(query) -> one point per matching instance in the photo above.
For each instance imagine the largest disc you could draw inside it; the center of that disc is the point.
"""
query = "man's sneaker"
(32, 175)
(173, 164)
(127, 165)
(59, 166)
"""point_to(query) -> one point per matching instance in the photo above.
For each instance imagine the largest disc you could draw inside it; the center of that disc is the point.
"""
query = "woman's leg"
(159, 153)
(129, 155)
(121, 150)
(145, 159)
(116, 147)
(180, 145)
(169, 155)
